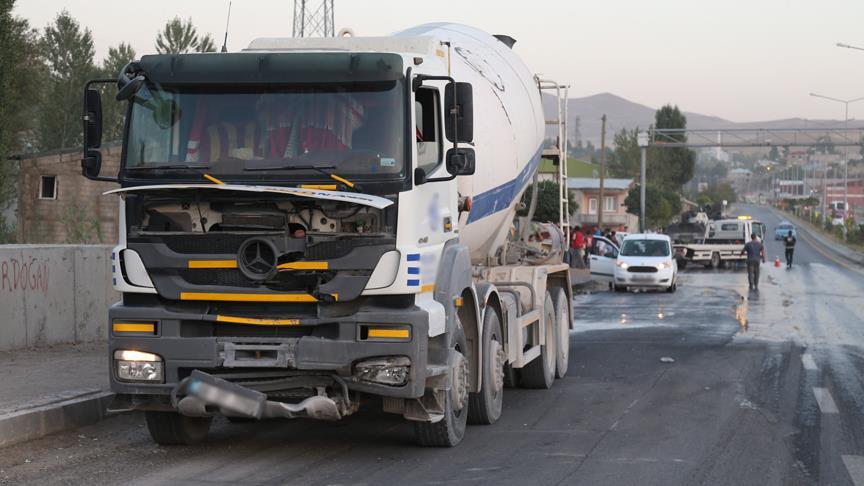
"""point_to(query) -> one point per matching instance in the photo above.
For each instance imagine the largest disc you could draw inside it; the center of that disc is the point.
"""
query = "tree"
(20, 69)
(661, 204)
(179, 37)
(547, 202)
(626, 158)
(672, 167)
(774, 154)
(68, 52)
(113, 111)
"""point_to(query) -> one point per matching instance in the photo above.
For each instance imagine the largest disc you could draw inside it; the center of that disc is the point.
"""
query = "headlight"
(622, 265)
(138, 366)
(664, 265)
(391, 371)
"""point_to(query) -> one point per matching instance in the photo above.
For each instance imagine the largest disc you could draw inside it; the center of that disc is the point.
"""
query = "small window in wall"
(428, 129)
(592, 206)
(609, 204)
(48, 187)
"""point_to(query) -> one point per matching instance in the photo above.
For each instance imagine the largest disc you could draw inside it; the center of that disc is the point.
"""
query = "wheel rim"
(498, 358)
(459, 385)
(551, 348)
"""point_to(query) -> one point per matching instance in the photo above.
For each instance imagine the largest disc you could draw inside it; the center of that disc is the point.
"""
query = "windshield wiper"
(323, 169)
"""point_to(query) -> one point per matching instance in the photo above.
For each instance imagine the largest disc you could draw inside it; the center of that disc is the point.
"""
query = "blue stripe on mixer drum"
(499, 198)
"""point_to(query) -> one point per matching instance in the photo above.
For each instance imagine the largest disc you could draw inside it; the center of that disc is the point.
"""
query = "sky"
(740, 60)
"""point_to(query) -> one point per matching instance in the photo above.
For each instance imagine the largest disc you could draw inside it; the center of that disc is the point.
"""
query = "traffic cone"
(777, 262)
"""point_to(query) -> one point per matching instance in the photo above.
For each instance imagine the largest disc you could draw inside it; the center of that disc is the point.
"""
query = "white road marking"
(855, 467)
(825, 401)
(808, 362)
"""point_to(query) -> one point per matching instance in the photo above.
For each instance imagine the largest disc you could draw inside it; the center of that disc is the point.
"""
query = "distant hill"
(623, 113)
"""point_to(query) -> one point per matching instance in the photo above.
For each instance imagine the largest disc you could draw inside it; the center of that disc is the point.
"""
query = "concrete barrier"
(54, 294)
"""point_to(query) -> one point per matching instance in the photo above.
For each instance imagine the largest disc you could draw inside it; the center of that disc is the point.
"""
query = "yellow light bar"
(322, 187)
(389, 333)
(212, 263)
(304, 266)
(257, 322)
(250, 297)
(139, 327)
(745, 217)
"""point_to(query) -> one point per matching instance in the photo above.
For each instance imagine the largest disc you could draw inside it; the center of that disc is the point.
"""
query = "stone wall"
(54, 294)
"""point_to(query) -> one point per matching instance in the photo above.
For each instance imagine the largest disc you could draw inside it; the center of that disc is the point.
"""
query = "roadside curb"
(33, 423)
(824, 244)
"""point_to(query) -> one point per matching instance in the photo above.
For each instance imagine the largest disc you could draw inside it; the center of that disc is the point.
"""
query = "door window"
(428, 129)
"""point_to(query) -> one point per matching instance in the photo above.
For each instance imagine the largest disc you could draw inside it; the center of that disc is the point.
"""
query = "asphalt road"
(765, 389)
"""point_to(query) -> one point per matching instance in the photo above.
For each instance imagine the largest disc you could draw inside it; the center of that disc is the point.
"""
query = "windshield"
(645, 248)
(354, 129)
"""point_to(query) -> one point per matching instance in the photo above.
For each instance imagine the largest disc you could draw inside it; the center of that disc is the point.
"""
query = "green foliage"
(661, 205)
(68, 52)
(80, 227)
(181, 37)
(547, 202)
(625, 161)
(113, 111)
(718, 194)
(20, 69)
(672, 167)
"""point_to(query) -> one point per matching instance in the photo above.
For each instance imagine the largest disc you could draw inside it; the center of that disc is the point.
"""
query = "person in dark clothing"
(755, 257)
(789, 242)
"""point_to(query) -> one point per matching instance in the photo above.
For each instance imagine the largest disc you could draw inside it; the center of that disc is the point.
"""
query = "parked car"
(646, 261)
(602, 255)
(782, 230)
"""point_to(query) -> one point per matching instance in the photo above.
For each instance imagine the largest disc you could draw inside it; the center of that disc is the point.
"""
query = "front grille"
(212, 276)
(327, 250)
(209, 243)
(642, 269)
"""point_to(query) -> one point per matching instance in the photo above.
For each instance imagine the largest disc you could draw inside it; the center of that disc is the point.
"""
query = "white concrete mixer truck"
(310, 224)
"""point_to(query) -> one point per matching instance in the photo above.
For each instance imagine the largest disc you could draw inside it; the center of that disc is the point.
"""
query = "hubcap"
(459, 385)
(498, 359)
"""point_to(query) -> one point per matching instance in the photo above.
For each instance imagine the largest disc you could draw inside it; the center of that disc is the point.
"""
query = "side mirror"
(459, 103)
(91, 163)
(460, 161)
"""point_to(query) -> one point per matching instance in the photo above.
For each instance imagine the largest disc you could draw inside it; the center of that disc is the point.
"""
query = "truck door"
(602, 256)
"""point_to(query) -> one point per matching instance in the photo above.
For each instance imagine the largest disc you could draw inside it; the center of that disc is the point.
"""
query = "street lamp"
(845, 153)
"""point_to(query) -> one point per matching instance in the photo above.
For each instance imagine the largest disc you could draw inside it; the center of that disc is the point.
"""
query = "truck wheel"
(715, 260)
(540, 373)
(448, 431)
(562, 324)
(484, 407)
(171, 428)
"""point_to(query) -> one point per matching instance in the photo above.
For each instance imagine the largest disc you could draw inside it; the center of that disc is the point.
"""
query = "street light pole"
(642, 141)
(846, 103)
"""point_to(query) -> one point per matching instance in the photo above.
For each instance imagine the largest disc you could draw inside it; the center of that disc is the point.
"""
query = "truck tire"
(484, 407)
(449, 431)
(171, 428)
(715, 260)
(562, 325)
(540, 373)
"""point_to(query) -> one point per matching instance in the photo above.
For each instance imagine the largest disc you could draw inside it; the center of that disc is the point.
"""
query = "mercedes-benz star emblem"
(257, 259)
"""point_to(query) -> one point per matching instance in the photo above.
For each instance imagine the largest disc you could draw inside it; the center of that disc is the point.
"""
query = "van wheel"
(540, 373)
(562, 324)
(484, 407)
(171, 428)
(449, 431)
(715, 260)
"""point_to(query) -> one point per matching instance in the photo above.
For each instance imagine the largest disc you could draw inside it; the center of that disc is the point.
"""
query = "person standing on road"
(789, 241)
(755, 257)
(577, 248)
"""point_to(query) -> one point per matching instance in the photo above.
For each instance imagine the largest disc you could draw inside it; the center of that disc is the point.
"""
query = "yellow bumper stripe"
(304, 266)
(257, 322)
(390, 333)
(212, 263)
(134, 327)
(250, 297)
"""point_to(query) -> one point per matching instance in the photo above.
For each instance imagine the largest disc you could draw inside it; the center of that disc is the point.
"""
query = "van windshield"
(645, 248)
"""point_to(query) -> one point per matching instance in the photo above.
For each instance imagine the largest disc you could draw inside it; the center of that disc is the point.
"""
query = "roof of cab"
(647, 236)
(424, 45)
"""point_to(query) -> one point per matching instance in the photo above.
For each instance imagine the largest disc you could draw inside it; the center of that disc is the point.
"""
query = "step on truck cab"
(309, 224)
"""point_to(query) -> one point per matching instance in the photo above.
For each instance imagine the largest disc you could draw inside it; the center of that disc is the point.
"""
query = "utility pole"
(642, 141)
(600, 200)
(314, 18)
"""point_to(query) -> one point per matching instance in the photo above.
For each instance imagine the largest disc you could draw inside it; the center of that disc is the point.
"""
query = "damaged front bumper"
(314, 371)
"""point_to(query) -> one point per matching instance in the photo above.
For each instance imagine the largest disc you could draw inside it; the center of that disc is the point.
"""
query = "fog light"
(391, 371)
(138, 366)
